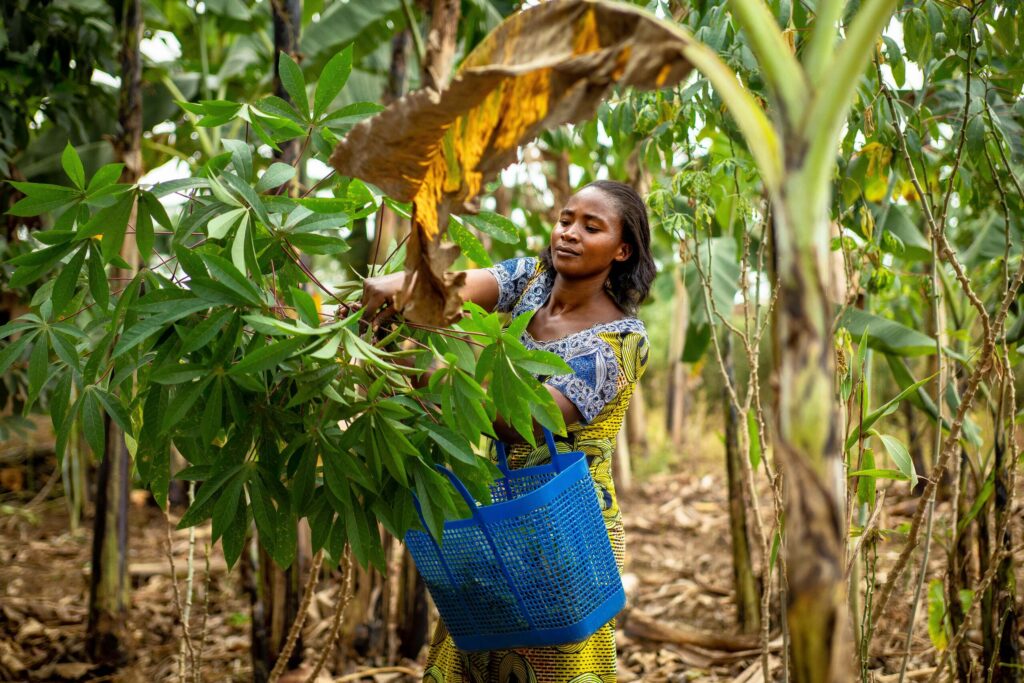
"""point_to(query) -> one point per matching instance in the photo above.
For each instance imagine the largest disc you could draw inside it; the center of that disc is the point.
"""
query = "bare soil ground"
(678, 576)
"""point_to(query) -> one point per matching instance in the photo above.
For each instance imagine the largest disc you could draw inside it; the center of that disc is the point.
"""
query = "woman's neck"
(568, 296)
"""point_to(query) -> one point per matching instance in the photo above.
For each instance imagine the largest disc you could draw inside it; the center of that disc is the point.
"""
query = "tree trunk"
(675, 405)
(108, 585)
(287, 18)
(636, 419)
(809, 445)
(747, 593)
(441, 43)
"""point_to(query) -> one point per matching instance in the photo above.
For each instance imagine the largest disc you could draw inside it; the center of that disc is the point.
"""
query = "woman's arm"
(570, 413)
(379, 292)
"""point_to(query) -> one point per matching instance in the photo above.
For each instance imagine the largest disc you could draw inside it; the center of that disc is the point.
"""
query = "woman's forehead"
(591, 200)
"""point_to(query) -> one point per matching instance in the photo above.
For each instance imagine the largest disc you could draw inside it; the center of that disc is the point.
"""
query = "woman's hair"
(630, 280)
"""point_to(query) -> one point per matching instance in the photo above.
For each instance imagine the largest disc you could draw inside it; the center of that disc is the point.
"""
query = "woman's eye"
(591, 228)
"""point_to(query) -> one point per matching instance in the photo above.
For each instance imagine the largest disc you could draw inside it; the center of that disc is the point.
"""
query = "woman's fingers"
(388, 312)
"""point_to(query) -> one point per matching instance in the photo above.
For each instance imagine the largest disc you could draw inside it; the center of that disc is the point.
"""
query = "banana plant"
(795, 147)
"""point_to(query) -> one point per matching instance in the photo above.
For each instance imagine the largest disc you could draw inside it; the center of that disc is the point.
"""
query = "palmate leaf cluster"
(281, 400)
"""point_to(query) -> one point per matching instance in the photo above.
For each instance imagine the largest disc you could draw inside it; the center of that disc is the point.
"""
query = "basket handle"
(485, 530)
(549, 439)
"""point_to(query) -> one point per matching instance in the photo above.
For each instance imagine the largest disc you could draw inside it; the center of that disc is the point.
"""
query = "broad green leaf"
(755, 440)
(203, 333)
(41, 197)
(98, 285)
(226, 507)
(887, 335)
(92, 423)
(67, 280)
(116, 409)
(352, 113)
(267, 357)
(276, 175)
(899, 454)
(876, 473)
(241, 157)
(937, 615)
(13, 351)
(144, 235)
(103, 180)
(233, 541)
(332, 79)
(294, 84)
(453, 444)
(202, 508)
(497, 226)
(887, 408)
(221, 225)
(38, 365)
(239, 243)
(312, 243)
(72, 164)
(184, 398)
(467, 241)
(226, 273)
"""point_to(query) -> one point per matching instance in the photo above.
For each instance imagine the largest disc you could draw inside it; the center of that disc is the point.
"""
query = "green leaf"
(312, 243)
(41, 197)
(453, 444)
(494, 224)
(887, 335)
(67, 281)
(305, 306)
(103, 180)
(98, 285)
(876, 473)
(226, 273)
(221, 225)
(467, 241)
(267, 357)
(241, 157)
(239, 243)
(755, 440)
(184, 398)
(233, 541)
(92, 423)
(332, 79)
(937, 615)
(276, 175)
(352, 113)
(116, 409)
(226, 507)
(203, 333)
(202, 507)
(887, 408)
(72, 164)
(294, 84)
(898, 452)
(144, 235)
(38, 365)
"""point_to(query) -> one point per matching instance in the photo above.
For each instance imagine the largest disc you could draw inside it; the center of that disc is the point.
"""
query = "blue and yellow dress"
(607, 361)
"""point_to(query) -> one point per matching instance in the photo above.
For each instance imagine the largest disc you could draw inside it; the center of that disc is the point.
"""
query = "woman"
(585, 289)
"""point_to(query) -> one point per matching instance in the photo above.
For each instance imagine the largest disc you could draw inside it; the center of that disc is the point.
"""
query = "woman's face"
(588, 237)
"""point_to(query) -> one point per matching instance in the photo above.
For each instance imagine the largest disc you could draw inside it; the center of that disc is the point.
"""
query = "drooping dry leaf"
(548, 65)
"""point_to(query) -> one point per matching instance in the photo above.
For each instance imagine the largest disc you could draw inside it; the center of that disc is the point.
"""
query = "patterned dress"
(607, 360)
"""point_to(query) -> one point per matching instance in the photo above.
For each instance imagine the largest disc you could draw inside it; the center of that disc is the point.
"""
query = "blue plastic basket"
(534, 568)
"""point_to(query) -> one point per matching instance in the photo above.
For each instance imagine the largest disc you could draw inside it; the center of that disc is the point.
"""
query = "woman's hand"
(379, 296)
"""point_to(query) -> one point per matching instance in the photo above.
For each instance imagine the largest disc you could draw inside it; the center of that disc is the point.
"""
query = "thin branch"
(344, 596)
(300, 618)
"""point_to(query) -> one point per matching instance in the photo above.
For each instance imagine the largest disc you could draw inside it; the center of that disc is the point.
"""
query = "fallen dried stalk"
(379, 670)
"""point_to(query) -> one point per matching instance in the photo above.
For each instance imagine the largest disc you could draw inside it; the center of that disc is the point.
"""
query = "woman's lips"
(562, 251)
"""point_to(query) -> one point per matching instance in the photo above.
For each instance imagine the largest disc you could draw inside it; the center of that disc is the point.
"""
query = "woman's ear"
(624, 252)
